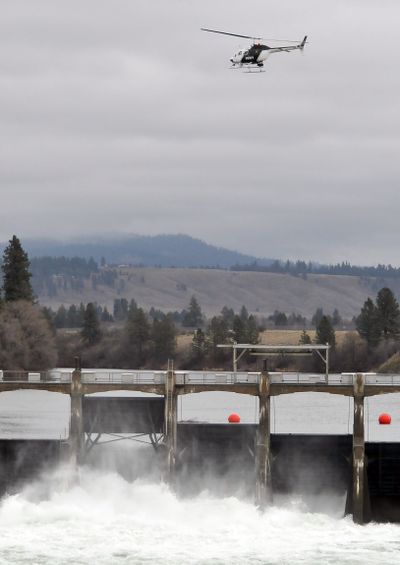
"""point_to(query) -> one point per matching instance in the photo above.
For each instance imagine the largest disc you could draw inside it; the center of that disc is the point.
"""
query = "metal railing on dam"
(204, 378)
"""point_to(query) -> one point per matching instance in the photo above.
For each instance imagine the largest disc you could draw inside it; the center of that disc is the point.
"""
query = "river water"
(105, 517)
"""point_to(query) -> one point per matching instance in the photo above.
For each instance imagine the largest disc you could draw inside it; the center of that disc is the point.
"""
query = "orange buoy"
(385, 419)
(234, 418)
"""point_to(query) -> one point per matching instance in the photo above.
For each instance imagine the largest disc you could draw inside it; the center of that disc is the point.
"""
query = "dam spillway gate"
(357, 463)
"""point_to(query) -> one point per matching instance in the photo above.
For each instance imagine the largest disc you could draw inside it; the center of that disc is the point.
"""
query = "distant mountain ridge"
(160, 250)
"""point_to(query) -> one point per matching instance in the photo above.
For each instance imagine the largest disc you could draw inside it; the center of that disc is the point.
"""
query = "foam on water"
(104, 519)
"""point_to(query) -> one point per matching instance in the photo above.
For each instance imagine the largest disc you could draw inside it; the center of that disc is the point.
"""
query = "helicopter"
(254, 56)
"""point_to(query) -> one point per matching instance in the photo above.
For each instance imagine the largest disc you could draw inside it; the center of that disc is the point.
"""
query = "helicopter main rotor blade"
(227, 33)
(248, 36)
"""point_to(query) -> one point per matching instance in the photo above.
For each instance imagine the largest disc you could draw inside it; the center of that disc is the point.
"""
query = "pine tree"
(132, 306)
(325, 332)
(81, 314)
(199, 345)
(244, 315)
(316, 319)
(388, 314)
(91, 333)
(16, 275)
(336, 318)
(48, 314)
(164, 339)
(106, 316)
(228, 315)
(120, 311)
(304, 339)
(217, 333)
(137, 330)
(280, 319)
(239, 330)
(193, 317)
(60, 318)
(72, 317)
(367, 323)
(252, 330)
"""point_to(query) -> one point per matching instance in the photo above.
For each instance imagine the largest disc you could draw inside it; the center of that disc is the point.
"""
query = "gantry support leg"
(263, 455)
(76, 432)
(170, 424)
(359, 470)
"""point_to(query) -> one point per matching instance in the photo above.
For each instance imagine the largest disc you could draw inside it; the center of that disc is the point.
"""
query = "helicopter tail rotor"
(303, 42)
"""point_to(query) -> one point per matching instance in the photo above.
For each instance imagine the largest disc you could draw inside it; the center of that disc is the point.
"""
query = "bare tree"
(26, 341)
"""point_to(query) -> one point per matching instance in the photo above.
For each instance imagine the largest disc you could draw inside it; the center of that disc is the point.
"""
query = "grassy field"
(269, 337)
(291, 337)
(283, 337)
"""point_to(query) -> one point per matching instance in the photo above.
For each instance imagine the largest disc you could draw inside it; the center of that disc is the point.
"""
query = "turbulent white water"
(103, 519)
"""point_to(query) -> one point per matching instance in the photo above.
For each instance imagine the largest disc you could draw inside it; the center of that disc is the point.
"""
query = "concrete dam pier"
(271, 463)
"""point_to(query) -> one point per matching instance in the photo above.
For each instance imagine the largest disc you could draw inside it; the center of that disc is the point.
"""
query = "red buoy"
(234, 418)
(385, 419)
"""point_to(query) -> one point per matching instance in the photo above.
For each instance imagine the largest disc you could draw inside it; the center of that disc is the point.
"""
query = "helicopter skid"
(249, 70)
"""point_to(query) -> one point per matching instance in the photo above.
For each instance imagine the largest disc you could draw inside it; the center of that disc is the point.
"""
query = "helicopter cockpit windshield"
(237, 58)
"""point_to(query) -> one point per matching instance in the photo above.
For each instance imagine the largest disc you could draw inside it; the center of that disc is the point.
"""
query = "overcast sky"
(121, 116)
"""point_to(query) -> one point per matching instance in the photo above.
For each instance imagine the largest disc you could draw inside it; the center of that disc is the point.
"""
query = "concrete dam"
(366, 473)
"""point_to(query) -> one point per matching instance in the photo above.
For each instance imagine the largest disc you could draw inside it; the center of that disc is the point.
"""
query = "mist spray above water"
(118, 510)
(100, 516)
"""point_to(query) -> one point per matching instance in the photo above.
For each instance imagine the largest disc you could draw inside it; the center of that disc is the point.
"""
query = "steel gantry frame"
(270, 350)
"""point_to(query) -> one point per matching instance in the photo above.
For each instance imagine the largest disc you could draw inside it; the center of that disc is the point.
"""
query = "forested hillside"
(170, 289)
(132, 316)
(159, 250)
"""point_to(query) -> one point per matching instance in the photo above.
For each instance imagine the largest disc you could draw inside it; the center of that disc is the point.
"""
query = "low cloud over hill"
(158, 250)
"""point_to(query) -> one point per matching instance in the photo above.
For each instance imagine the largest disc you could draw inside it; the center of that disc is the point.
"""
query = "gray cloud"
(123, 116)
